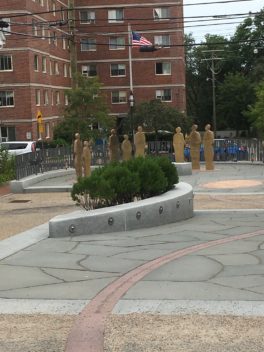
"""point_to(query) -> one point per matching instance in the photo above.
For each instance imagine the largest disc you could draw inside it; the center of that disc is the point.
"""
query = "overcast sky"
(239, 7)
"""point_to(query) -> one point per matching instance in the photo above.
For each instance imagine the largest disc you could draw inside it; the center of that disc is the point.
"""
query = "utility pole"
(72, 44)
(212, 68)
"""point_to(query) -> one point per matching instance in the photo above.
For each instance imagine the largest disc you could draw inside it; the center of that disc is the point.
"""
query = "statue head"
(85, 143)
(178, 129)
(207, 127)
(113, 131)
(139, 129)
(77, 135)
(194, 127)
(125, 137)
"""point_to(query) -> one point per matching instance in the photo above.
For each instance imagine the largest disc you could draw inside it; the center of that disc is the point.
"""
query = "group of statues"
(82, 152)
(194, 140)
(126, 146)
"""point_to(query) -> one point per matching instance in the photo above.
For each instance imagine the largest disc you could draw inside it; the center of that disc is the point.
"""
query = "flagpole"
(130, 58)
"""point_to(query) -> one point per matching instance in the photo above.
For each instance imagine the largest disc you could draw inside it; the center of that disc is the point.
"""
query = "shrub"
(169, 171)
(7, 166)
(118, 183)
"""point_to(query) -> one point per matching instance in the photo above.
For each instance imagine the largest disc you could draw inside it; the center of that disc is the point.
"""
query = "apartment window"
(118, 69)
(65, 70)
(51, 68)
(57, 97)
(7, 29)
(66, 99)
(37, 97)
(47, 129)
(87, 16)
(6, 63)
(54, 38)
(88, 44)
(162, 40)
(56, 68)
(116, 43)
(43, 32)
(53, 6)
(119, 97)
(44, 64)
(116, 15)
(89, 70)
(163, 94)
(6, 98)
(46, 97)
(36, 64)
(34, 28)
(64, 43)
(62, 13)
(161, 13)
(52, 97)
(163, 68)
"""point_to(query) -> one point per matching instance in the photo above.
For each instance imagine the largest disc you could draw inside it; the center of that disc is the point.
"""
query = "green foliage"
(169, 171)
(7, 166)
(235, 94)
(87, 107)
(118, 183)
(256, 112)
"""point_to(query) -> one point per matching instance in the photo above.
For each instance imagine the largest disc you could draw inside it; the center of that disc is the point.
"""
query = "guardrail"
(62, 157)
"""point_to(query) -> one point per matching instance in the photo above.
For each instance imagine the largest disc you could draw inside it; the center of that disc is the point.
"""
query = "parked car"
(19, 147)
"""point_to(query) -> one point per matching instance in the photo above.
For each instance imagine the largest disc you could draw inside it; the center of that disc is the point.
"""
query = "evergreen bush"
(169, 171)
(7, 166)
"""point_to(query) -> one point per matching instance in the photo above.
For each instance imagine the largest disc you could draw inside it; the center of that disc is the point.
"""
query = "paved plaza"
(211, 264)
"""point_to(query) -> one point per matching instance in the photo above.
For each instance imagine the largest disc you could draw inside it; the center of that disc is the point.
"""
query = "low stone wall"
(183, 169)
(170, 207)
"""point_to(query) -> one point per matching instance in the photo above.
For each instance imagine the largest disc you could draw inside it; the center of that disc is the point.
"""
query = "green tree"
(234, 96)
(87, 108)
(256, 112)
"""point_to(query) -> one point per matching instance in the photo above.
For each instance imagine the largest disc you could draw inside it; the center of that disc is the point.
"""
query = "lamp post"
(131, 105)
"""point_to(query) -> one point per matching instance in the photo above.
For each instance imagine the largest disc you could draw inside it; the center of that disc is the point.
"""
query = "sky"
(225, 29)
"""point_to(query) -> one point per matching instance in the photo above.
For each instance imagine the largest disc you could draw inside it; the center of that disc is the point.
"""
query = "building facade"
(34, 68)
(42, 44)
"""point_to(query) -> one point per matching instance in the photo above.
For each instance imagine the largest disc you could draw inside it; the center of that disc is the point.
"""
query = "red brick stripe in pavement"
(4, 189)
(87, 334)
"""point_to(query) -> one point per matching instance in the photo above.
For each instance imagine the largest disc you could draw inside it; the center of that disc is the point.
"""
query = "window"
(43, 32)
(88, 44)
(118, 69)
(36, 65)
(66, 99)
(46, 97)
(119, 97)
(37, 97)
(56, 68)
(44, 64)
(116, 15)
(163, 68)
(7, 29)
(64, 44)
(57, 97)
(53, 6)
(6, 63)
(34, 28)
(89, 70)
(161, 13)
(54, 38)
(6, 98)
(116, 43)
(52, 97)
(51, 68)
(163, 94)
(87, 16)
(65, 70)
(162, 40)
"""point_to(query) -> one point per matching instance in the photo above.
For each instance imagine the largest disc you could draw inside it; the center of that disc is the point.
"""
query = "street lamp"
(131, 104)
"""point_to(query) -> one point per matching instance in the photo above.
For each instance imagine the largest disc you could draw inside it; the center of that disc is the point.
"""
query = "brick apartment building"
(35, 69)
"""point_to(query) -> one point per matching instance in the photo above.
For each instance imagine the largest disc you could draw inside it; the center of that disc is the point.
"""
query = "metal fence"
(62, 158)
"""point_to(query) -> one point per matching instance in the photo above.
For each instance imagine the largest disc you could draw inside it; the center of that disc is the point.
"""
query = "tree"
(234, 96)
(256, 112)
(87, 109)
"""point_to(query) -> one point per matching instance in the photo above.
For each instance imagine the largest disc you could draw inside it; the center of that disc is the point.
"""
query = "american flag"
(139, 40)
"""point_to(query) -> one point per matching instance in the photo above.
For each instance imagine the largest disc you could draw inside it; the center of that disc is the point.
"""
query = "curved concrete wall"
(170, 207)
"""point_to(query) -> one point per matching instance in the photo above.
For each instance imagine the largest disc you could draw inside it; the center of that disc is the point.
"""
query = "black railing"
(62, 158)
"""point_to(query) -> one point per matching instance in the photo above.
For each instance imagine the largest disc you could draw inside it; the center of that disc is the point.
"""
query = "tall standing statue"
(140, 142)
(86, 156)
(178, 145)
(195, 143)
(126, 148)
(113, 146)
(208, 142)
(77, 154)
